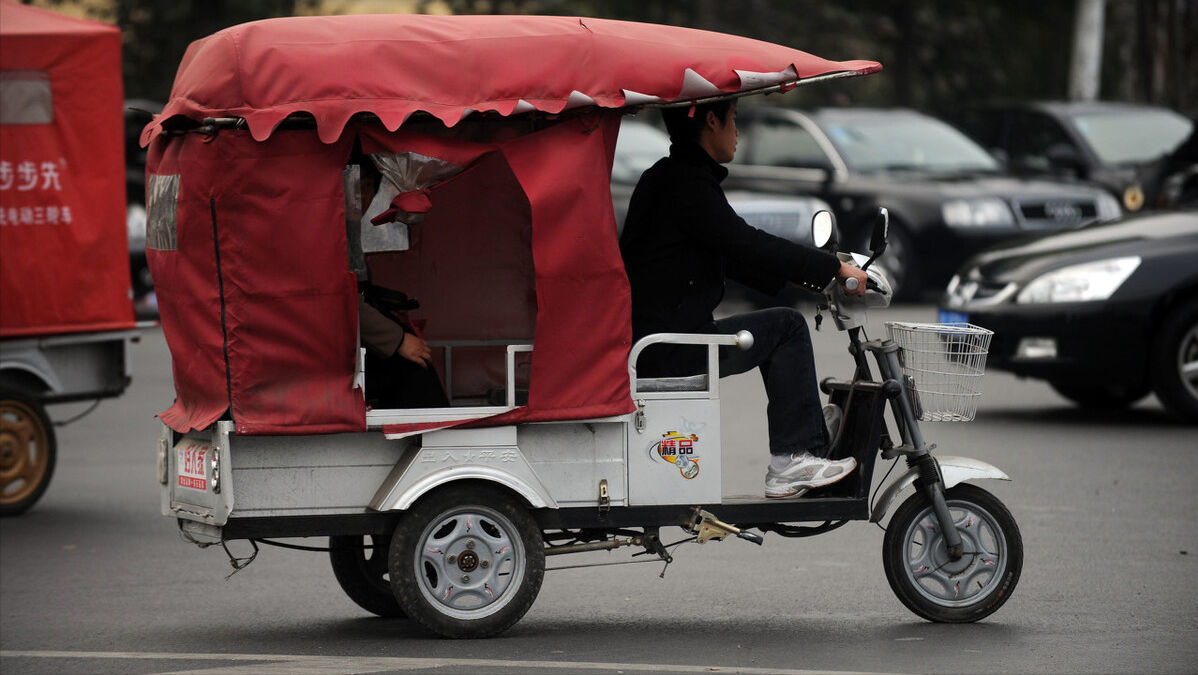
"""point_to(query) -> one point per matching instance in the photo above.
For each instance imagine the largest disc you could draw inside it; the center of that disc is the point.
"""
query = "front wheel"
(953, 591)
(27, 452)
(1175, 363)
(467, 562)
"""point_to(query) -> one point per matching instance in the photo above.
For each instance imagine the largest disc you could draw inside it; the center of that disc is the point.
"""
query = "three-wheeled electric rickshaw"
(495, 136)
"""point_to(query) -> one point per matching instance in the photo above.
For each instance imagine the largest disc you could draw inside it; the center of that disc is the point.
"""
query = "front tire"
(361, 569)
(1175, 363)
(467, 562)
(938, 589)
(28, 452)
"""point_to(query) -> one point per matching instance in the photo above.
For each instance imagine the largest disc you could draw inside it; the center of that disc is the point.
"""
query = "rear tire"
(28, 452)
(362, 572)
(467, 562)
(1175, 363)
(962, 591)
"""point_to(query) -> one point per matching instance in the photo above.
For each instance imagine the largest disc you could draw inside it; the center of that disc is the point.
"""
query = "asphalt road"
(94, 580)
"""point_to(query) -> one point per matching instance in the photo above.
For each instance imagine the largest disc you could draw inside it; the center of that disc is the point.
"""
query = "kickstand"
(653, 545)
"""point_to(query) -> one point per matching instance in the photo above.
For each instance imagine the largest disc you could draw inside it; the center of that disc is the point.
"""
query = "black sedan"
(1105, 314)
(1116, 145)
(948, 198)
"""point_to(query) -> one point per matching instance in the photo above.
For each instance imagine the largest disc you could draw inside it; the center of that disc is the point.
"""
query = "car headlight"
(1080, 283)
(1108, 207)
(984, 212)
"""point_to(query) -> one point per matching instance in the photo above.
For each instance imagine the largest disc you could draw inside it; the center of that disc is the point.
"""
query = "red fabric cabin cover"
(256, 298)
(64, 253)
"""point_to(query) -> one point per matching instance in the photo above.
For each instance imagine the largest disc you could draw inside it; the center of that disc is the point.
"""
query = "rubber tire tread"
(51, 449)
(405, 540)
(350, 567)
(894, 556)
(1166, 379)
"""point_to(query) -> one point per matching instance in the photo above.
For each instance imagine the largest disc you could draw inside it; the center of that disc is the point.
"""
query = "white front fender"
(953, 469)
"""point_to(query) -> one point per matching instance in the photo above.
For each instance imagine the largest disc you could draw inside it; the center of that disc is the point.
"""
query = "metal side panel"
(576, 460)
(674, 457)
(488, 454)
(310, 475)
(209, 476)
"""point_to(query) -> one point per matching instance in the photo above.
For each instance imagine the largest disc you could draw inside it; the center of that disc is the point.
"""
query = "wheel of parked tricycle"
(360, 565)
(936, 588)
(27, 452)
(467, 561)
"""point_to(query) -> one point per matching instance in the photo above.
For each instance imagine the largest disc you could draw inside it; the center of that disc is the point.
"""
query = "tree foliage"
(937, 54)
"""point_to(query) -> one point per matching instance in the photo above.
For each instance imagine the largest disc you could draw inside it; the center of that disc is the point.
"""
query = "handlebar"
(852, 283)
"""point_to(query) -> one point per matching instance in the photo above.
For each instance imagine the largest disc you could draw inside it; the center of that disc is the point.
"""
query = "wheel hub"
(468, 561)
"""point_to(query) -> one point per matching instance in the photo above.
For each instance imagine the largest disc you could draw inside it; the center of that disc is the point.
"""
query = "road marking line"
(299, 664)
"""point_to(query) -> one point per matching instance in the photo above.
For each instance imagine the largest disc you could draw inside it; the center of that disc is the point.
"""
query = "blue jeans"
(782, 350)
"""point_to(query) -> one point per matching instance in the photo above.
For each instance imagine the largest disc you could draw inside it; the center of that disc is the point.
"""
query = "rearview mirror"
(823, 230)
(877, 241)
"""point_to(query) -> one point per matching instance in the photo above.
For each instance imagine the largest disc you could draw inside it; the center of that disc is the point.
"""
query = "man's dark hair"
(685, 127)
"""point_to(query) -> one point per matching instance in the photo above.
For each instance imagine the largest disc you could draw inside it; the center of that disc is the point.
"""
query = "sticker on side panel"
(192, 463)
(679, 450)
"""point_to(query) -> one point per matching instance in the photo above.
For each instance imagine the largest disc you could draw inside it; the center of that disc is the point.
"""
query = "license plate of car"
(947, 316)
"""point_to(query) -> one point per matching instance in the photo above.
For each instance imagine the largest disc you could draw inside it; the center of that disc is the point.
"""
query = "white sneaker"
(805, 471)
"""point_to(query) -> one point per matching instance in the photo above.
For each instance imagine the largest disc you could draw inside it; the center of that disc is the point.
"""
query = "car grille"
(1057, 214)
(977, 292)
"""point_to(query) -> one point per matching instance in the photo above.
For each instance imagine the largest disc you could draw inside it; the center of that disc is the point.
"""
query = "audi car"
(948, 197)
(1105, 314)
(1118, 146)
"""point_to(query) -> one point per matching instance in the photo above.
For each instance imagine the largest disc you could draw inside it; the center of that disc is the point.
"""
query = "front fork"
(919, 455)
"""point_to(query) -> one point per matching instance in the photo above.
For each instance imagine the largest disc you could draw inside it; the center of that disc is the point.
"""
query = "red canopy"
(64, 256)
(249, 252)
(450, 66)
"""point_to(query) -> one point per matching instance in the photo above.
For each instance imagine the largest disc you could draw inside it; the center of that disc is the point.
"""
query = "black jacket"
(681, 239)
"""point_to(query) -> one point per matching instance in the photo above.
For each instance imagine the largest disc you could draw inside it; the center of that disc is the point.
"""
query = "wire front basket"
(943, 365)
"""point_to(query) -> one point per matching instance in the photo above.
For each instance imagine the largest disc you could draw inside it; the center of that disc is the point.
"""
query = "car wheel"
(1175, 363)
(1101, 396)
(27, 452)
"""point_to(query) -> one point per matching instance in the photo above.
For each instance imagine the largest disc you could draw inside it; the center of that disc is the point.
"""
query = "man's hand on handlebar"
(849, 272)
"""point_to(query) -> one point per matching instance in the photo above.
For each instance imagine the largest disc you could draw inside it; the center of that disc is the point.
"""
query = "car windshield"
(638, 147)
(1134, 136)
(905, 142)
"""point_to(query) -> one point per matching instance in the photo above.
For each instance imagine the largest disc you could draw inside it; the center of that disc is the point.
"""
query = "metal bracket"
(604, 498)
(639, 418)
(707, 527)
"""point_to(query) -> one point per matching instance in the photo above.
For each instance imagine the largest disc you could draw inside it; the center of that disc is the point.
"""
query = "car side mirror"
(1062, 156)
(823, 231)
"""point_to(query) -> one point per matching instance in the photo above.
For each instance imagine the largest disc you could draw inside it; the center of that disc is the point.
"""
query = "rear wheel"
(28, 452)
(360, 565)
(467, 562)
(953, 591)
(1175, 363)
(1100, 396)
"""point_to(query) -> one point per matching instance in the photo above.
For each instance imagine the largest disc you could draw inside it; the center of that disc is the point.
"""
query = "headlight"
(1108, 207)
(977, 212)
(1080, 283)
